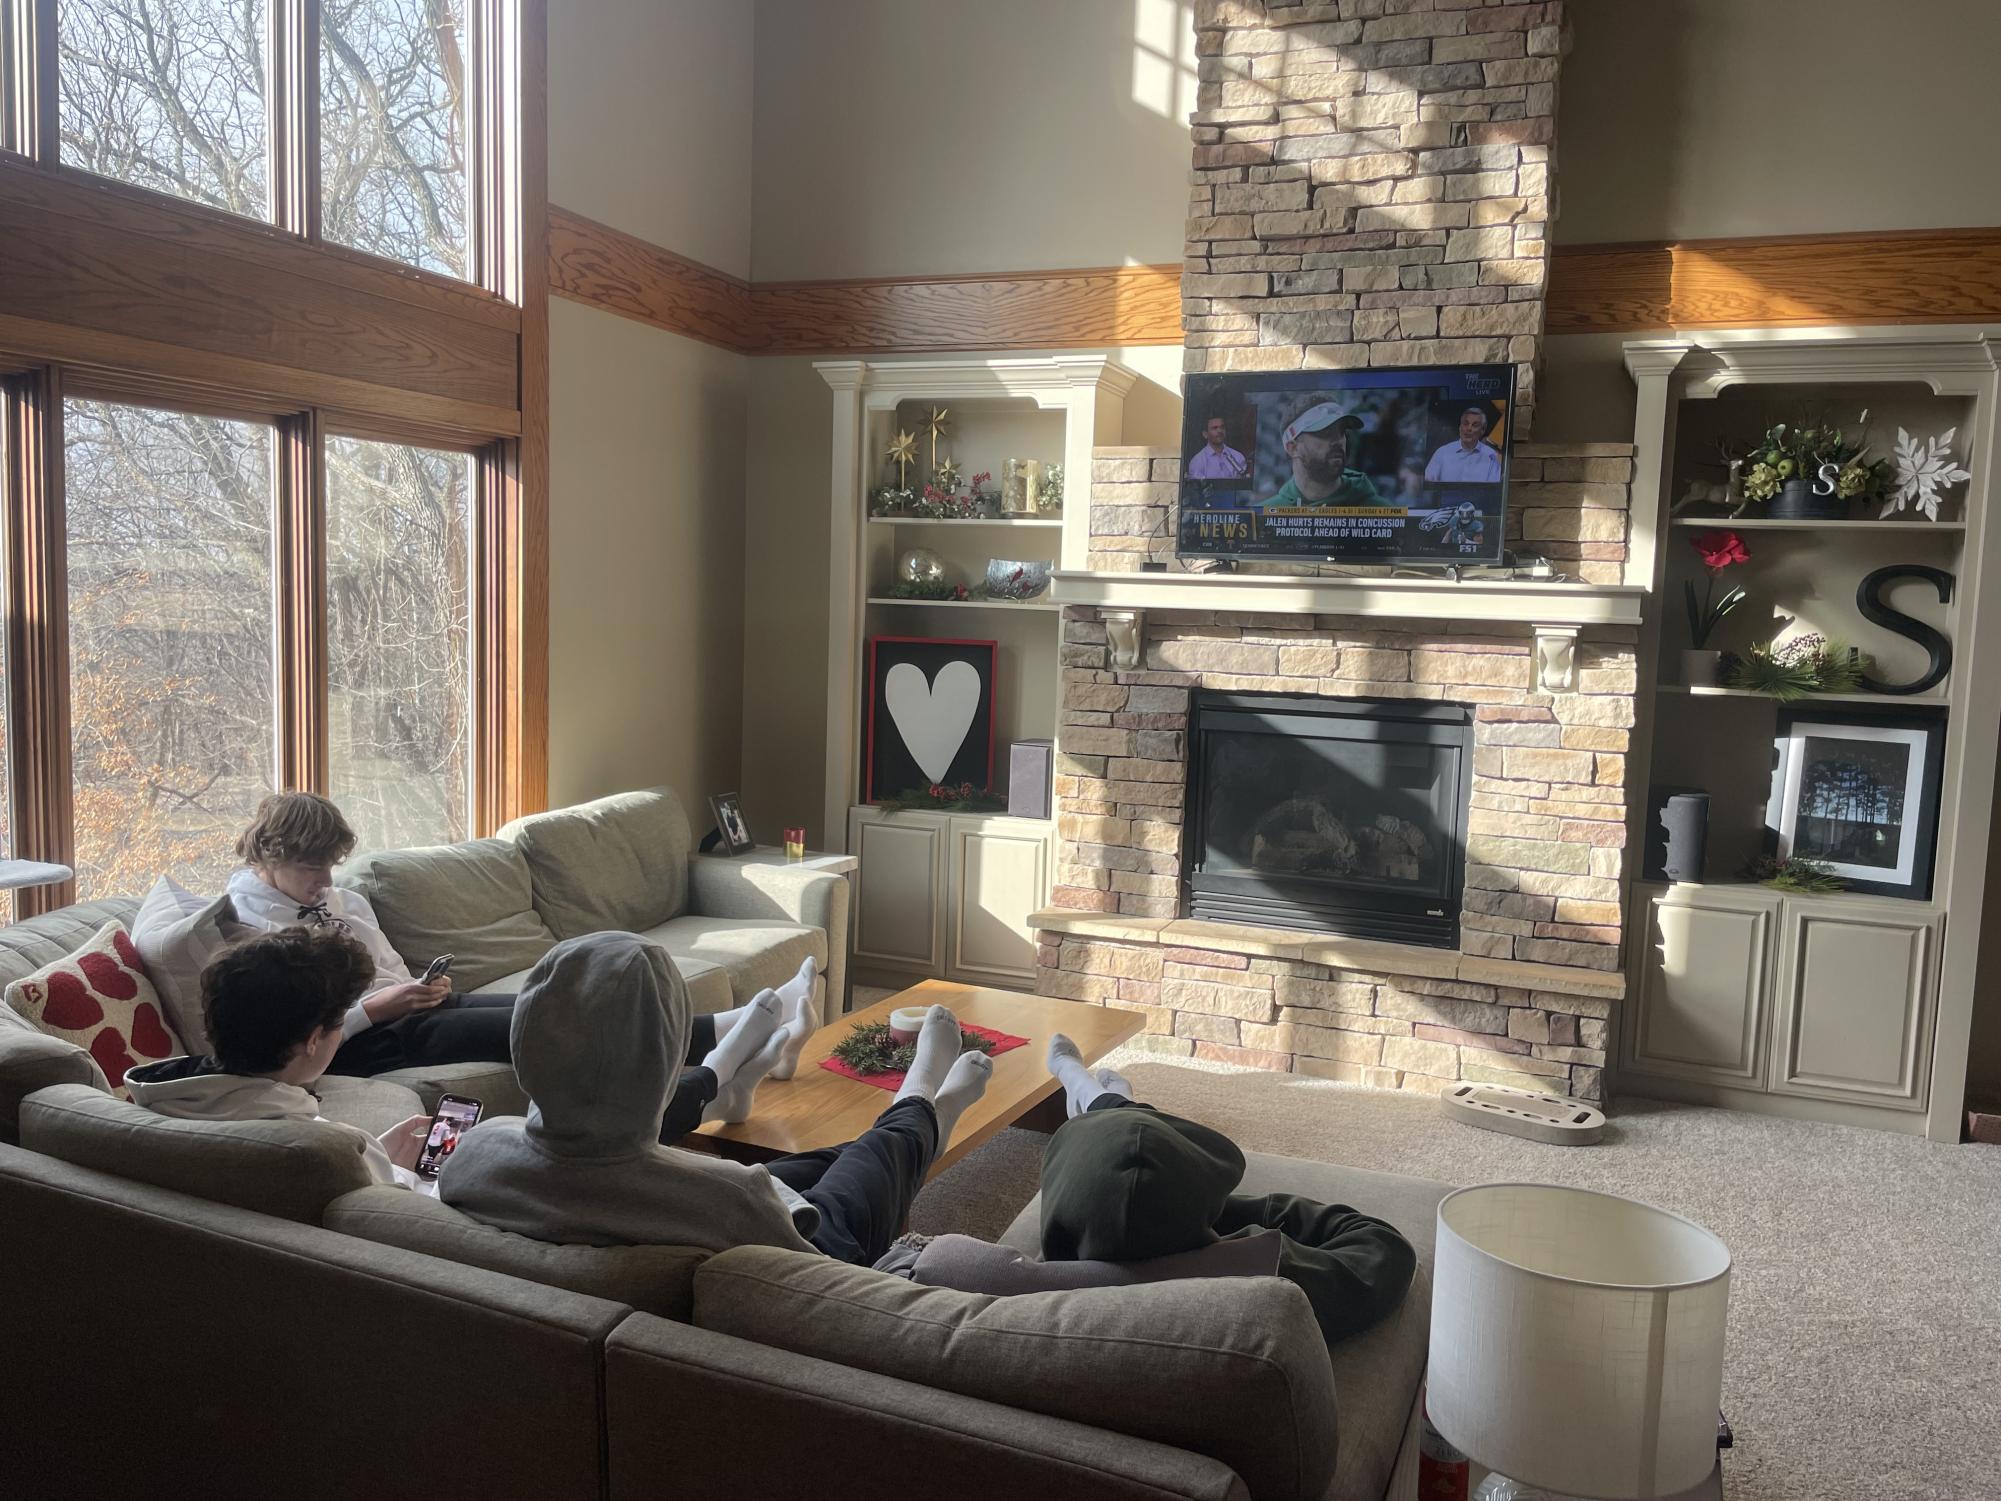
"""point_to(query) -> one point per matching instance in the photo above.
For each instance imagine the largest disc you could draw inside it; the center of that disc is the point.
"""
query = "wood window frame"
(128, 295)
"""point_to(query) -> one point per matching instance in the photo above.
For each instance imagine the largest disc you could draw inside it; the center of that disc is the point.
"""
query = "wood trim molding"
(300, 550)
(1894, 276)
(606, 268)
(37, 629)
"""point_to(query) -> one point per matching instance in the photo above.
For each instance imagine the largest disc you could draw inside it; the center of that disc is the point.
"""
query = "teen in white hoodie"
(273, 1006)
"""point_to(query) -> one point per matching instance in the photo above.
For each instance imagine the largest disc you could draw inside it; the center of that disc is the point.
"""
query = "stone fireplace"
(1439, 895)
(1327, 814)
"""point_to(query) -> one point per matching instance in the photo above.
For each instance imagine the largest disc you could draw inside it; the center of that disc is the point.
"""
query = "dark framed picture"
(928, 720)
(730, 826)
(1858, 792)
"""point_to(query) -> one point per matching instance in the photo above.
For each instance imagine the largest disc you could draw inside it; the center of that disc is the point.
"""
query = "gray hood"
(599, 1033)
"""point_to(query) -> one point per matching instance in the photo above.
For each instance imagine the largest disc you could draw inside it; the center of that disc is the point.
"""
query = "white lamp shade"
(1577, 1339)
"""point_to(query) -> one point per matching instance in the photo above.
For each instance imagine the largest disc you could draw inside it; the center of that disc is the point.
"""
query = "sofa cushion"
(708, 985)
(1234, 1370)
(291, 1169)
(653, 1279)
(754, 953)
(1376, 1372)
(177, 933)
(492, 1084)
(617, 864)
(99, 999)
(29, 944)
(32, 1060)
(474, 900)
(372, 1105)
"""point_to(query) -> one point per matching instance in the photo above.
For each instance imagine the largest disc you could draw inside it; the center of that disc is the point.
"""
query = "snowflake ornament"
(1921, 471)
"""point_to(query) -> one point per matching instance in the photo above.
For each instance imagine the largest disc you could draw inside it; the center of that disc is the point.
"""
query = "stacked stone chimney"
(1371, 184)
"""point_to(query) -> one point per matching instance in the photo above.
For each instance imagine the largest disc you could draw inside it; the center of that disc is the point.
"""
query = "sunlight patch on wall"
(1164, 57)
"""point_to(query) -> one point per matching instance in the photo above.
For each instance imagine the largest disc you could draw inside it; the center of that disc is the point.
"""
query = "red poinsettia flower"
(1720, 549)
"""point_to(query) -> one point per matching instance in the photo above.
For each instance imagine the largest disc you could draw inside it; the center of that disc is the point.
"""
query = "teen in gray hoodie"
(599, 1034)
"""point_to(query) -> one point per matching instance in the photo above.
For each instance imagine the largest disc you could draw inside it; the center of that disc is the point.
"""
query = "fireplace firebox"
(1340, 815)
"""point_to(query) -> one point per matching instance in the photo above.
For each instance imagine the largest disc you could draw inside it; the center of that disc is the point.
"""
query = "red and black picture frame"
(927, 715)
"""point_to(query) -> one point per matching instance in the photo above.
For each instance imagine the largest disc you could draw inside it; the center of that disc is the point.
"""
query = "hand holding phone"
(439, 968)
(455, 1115)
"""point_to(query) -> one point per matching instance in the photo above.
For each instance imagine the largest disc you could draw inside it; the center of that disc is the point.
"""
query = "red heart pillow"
(100, 999)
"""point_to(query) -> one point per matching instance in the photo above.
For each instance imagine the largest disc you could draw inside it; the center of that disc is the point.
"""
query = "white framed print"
(1859, 795)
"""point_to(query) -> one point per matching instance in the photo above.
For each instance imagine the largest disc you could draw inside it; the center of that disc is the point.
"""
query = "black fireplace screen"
(1337, 815)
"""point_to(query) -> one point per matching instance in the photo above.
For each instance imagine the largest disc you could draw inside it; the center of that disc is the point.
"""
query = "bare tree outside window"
(399, 641)
(172, 696)
(167, 95)
(392, 129)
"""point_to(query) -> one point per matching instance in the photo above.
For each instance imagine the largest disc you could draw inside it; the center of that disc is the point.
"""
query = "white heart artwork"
(933, 717)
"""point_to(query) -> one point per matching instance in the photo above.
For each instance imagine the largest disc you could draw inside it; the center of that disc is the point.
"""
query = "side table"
(840, 865)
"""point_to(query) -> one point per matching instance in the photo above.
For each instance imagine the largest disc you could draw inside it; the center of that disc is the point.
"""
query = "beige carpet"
(1864, 1361)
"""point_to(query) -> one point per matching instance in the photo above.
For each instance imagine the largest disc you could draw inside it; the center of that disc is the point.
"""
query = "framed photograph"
(1859, 793)
(929, 716)
(729, 823)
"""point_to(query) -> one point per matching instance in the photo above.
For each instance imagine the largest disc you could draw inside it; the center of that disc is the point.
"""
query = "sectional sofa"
(231, 1309)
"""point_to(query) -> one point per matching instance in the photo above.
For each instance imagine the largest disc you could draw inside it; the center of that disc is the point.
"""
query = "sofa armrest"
(664, 1383)
(720, 887)
(31, 1060)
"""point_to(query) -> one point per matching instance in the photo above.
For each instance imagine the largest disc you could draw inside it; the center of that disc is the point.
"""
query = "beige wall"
(1697, 119)
(906, 136)
(649, 131)
(649, 121)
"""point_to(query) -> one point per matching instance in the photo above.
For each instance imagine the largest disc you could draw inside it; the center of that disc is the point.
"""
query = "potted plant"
(1719, 550)
(1810, 471)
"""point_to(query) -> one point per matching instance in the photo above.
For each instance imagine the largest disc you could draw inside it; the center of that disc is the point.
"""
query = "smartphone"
(440, 966)
(455, 1115)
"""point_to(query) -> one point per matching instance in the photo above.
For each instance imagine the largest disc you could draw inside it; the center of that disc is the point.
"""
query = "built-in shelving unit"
(1848, 1007)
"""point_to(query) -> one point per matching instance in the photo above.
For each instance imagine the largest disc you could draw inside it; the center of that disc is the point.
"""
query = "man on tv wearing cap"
(1472, 460)
(1316, 440)
(1216, 459)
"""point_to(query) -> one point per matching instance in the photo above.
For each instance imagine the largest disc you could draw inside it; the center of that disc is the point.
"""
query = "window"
(399, 641)
(172, 697)
(168, 95)
(392, 129)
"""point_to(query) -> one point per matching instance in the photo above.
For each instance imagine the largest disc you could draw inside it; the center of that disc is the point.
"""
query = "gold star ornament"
(936, 425)
(947, 476)
(902, 453)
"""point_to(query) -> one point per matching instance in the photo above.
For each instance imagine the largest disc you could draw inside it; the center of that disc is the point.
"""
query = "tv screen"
(1347, 466)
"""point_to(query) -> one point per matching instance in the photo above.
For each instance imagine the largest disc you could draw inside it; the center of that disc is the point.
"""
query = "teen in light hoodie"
(273, 1006)
(599, 1034)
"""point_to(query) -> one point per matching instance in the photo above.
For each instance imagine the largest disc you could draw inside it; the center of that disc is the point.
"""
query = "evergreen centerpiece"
(869, 1049)
(1719, 550)
(1799, 668)
(1810, 471)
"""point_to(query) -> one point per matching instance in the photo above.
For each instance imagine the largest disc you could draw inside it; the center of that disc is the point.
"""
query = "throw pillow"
(100, 999)
(177, 933)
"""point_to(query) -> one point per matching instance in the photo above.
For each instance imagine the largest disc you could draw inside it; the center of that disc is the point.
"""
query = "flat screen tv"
(1347, 466)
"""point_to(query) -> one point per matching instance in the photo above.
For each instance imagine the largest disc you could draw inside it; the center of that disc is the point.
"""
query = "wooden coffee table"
(819, 1108)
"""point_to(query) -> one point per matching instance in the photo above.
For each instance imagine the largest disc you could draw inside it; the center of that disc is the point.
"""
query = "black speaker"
(1677, 832)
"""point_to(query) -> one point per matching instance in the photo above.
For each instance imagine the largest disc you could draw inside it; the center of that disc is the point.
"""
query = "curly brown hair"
(262, 998)
(296, 826)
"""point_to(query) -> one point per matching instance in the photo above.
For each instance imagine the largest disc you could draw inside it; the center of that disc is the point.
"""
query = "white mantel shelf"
(1531, 601)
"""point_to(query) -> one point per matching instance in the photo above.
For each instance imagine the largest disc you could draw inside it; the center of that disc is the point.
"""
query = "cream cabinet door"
(1000, 870)
(1704, 987)
(900, 917)
(1857, 984)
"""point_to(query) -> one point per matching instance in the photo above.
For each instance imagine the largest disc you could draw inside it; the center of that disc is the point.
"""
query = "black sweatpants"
(864, 1189)
(475, 1029)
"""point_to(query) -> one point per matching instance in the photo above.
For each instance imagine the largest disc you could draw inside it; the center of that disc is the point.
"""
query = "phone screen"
(455, 1116)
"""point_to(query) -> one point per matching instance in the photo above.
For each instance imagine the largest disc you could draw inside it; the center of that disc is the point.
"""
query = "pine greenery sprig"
(869, 1049)
(1807, 877)
(1806, 665)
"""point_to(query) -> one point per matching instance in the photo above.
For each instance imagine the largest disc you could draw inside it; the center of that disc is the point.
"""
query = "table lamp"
(1576, 1342)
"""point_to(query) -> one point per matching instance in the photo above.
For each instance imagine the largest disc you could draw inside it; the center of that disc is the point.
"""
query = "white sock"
(937, 1049)
(801, 1018)
(741, 1043)
(1112, 1082)
(965, 1082)
(724, 1020)
(1067, 1064)
(733, 1100)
